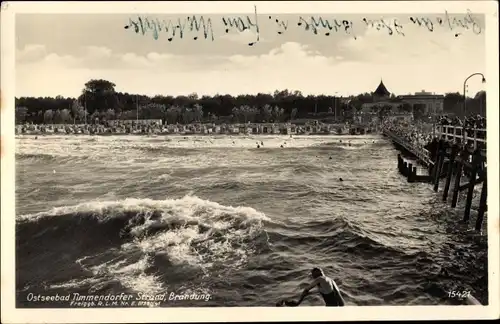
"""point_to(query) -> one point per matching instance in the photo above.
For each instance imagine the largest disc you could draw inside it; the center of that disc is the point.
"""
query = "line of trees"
(100, 102)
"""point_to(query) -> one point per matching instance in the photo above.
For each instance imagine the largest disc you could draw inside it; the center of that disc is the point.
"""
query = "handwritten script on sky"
(200, 27)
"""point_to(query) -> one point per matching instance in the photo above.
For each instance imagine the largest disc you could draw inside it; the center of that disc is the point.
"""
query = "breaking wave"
(137, 242)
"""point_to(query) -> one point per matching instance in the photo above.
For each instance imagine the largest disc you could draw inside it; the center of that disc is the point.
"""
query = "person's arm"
(306, 290)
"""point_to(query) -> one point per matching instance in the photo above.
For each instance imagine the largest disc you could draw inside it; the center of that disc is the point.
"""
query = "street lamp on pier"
(465, 85)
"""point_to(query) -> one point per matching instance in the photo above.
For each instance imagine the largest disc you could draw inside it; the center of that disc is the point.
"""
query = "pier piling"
(472, 183)
(410, 172)
(456, 184)
(451, 165)
(438, 169)
(482, 206)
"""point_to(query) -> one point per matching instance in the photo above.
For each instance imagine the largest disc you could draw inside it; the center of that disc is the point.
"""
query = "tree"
(21, 113)
(94, 117)
(453, 103)
(172, 114)
(65, 116)
(48, 117)
(99, 95)
(82, 115)
(39, 117)
(245, 113)
(77, 111)
(198, 112)
(57, 117)
(266, 112)
(236, 112)
(110, 114)
(480, 98)
(277, 113)
(187, 115)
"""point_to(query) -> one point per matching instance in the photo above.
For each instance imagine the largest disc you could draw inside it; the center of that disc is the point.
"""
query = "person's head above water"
(317, 272)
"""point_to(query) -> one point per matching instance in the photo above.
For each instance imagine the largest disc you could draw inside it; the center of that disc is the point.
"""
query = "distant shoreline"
(185, 135)
(178, 130)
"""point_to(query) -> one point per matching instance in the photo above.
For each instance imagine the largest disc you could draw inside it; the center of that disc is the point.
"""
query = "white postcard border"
(239, 314)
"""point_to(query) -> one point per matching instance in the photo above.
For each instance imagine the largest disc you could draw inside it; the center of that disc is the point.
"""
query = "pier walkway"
(475, 138)
(421, 153)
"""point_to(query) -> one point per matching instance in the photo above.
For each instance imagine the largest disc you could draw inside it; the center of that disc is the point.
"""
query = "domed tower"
(381, 93)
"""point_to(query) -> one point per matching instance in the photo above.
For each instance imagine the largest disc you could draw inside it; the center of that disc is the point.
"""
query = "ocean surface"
(217, 216)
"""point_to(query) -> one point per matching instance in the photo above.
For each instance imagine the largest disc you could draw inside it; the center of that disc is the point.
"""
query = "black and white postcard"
(215, 161)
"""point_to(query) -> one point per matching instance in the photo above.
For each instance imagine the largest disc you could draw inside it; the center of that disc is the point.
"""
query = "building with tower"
(406, 106)
(381, 100)
(381, 93)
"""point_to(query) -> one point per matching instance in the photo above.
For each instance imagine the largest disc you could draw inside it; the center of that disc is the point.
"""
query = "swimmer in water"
(340, 179)
(262, 143)
(326, 287)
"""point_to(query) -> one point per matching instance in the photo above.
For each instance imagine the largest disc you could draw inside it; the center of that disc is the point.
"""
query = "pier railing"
(461, 134)
(416, 149)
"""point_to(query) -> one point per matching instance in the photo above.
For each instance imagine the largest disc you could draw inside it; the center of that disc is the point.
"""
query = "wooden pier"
(455, 152)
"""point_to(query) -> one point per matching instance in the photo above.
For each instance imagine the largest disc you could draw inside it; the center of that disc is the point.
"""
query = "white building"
(428, 103)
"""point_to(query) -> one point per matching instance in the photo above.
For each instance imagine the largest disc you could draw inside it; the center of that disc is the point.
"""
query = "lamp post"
(465, 85)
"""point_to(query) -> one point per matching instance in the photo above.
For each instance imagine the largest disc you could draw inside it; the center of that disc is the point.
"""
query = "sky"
(57, 53)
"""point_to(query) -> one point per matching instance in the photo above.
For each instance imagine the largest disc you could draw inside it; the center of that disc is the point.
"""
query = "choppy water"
(216, 215)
